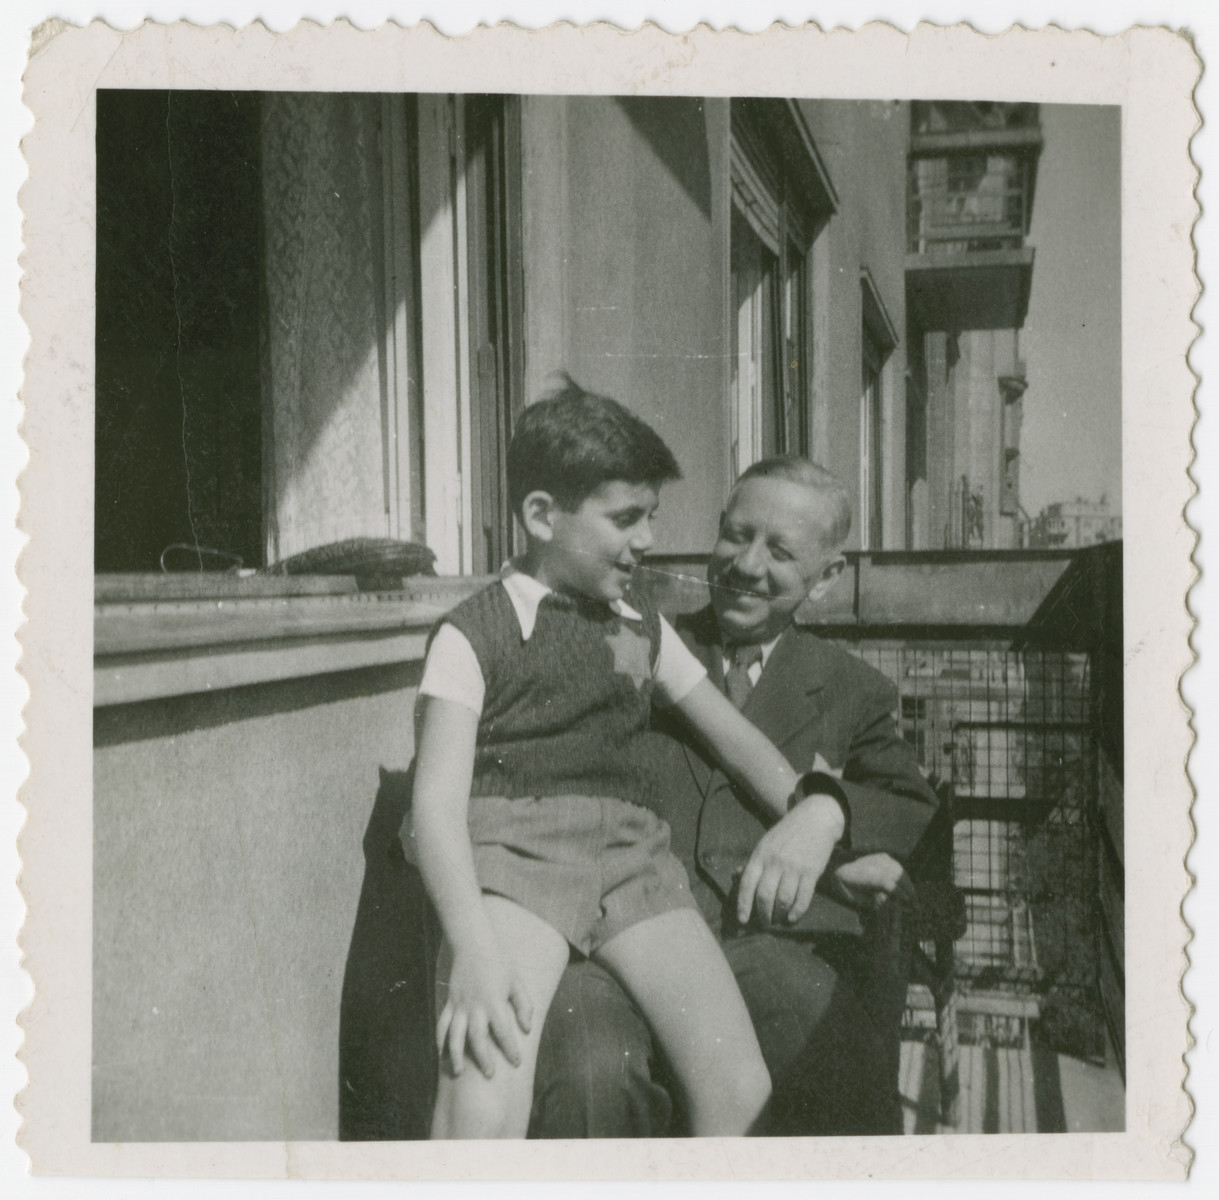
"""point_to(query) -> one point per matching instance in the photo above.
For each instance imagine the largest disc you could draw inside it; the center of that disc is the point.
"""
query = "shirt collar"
(526, 593)
(767, 647)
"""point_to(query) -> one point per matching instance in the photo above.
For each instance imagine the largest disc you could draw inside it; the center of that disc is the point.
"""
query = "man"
(819, 969)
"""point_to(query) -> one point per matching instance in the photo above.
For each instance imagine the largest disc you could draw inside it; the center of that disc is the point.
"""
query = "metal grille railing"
(964, 203)
(1011, 732)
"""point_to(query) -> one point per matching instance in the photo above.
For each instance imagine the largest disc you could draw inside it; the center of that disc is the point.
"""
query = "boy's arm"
(444, 768)
(747, 756)
(480, 992)
(792, 855)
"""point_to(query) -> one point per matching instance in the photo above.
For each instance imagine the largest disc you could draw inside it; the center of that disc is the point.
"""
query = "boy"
(531, 794)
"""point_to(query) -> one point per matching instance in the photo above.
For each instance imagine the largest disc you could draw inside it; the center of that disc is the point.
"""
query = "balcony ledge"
(986, 289)
(155, 637)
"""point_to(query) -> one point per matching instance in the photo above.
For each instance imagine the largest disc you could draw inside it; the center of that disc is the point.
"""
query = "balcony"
(968, 203)
(965, 121)
(970, 187)
(257, 720)
(1007, 667)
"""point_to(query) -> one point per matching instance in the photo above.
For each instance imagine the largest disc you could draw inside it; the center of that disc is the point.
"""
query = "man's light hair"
(833, 502)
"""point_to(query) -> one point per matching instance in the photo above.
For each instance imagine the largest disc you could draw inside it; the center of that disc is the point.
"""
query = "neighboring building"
(972, 178)
(1074, 523)
(334, 306)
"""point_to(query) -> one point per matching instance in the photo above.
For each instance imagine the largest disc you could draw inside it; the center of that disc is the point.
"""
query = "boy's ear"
(829, 576)
(537, 515)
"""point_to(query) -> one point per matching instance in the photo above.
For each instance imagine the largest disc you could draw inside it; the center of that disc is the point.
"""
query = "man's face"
(769, 556)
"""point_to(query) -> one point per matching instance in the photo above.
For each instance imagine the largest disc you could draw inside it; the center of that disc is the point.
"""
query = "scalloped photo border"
(1150, 73)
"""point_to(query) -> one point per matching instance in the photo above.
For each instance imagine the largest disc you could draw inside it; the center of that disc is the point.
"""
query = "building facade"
(1073, 524)
(972, 180)
(336, 306)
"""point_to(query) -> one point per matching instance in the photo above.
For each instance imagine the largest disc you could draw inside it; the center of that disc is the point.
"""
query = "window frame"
(779, 190)
(878, 340)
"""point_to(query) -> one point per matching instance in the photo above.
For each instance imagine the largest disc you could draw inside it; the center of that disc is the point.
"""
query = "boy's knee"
(731, 1100)
(753, 1088)
(472, 1109)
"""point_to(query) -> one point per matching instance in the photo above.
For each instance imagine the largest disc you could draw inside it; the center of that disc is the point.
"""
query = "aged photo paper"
(289, 295)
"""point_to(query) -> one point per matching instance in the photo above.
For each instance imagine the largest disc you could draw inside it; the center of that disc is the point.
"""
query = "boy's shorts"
(591, 866)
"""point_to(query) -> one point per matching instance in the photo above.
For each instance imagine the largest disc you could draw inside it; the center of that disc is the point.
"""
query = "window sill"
(162, 636)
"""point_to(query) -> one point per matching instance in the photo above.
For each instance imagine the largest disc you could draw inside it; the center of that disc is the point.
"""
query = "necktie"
(737, 682)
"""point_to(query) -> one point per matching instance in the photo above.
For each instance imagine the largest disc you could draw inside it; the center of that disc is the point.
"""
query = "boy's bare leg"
(675, 970)
(469, 1105)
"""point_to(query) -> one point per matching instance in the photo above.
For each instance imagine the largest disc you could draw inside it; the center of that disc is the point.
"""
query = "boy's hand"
(486, 1004)
(782, 872)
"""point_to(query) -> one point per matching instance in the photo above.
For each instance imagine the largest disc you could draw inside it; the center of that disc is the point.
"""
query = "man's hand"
(871, 881)
(790, 857)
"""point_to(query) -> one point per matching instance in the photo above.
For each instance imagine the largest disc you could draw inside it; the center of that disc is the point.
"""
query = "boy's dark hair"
(571, 442)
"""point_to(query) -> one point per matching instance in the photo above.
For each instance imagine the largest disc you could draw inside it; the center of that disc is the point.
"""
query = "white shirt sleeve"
(451, 671)
(677, 670)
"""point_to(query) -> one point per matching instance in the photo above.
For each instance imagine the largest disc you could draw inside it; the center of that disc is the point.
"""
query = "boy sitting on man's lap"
(532, 793)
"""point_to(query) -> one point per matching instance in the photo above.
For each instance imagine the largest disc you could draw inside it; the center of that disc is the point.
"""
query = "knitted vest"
(567, 710)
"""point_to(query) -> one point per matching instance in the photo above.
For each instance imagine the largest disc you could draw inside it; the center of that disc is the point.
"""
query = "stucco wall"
(626, 252)
(228, 865)
(864, 149)
(626, 243)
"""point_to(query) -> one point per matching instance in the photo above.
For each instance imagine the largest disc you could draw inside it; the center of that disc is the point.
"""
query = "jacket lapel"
(787, 698)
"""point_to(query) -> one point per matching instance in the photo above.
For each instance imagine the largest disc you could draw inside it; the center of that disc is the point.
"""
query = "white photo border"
(1151, 73)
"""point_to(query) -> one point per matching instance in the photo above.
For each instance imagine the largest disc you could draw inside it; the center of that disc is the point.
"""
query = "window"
(756, 410)
(780, 200)
(178, 430)
(490, 128)
(872, 446)
(878, 340)
(320, 285)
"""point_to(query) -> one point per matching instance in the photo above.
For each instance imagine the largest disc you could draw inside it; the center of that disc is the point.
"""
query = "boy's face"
(593, 549)
(770, 555)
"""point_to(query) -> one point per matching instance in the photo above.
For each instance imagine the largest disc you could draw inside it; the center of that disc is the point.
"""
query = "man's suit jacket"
(811, 697)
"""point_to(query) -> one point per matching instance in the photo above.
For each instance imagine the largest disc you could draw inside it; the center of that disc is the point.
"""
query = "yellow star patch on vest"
(632, 653)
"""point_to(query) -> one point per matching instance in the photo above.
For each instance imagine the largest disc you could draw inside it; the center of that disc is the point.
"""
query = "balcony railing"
(930, 118)
(968, 203)
(1007, 667)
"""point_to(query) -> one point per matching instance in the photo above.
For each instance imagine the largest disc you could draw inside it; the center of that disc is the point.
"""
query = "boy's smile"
(593, 549)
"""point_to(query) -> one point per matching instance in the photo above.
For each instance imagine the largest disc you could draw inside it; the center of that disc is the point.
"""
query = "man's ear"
(829, 576)
(537, 515)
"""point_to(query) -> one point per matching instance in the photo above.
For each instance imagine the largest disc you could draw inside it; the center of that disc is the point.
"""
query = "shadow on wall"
(676, 129)
(387, 1056)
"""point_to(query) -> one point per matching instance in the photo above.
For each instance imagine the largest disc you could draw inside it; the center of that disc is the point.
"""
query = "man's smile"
(740, 590)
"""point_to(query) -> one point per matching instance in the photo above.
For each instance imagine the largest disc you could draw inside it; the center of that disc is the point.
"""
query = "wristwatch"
(822, 783)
